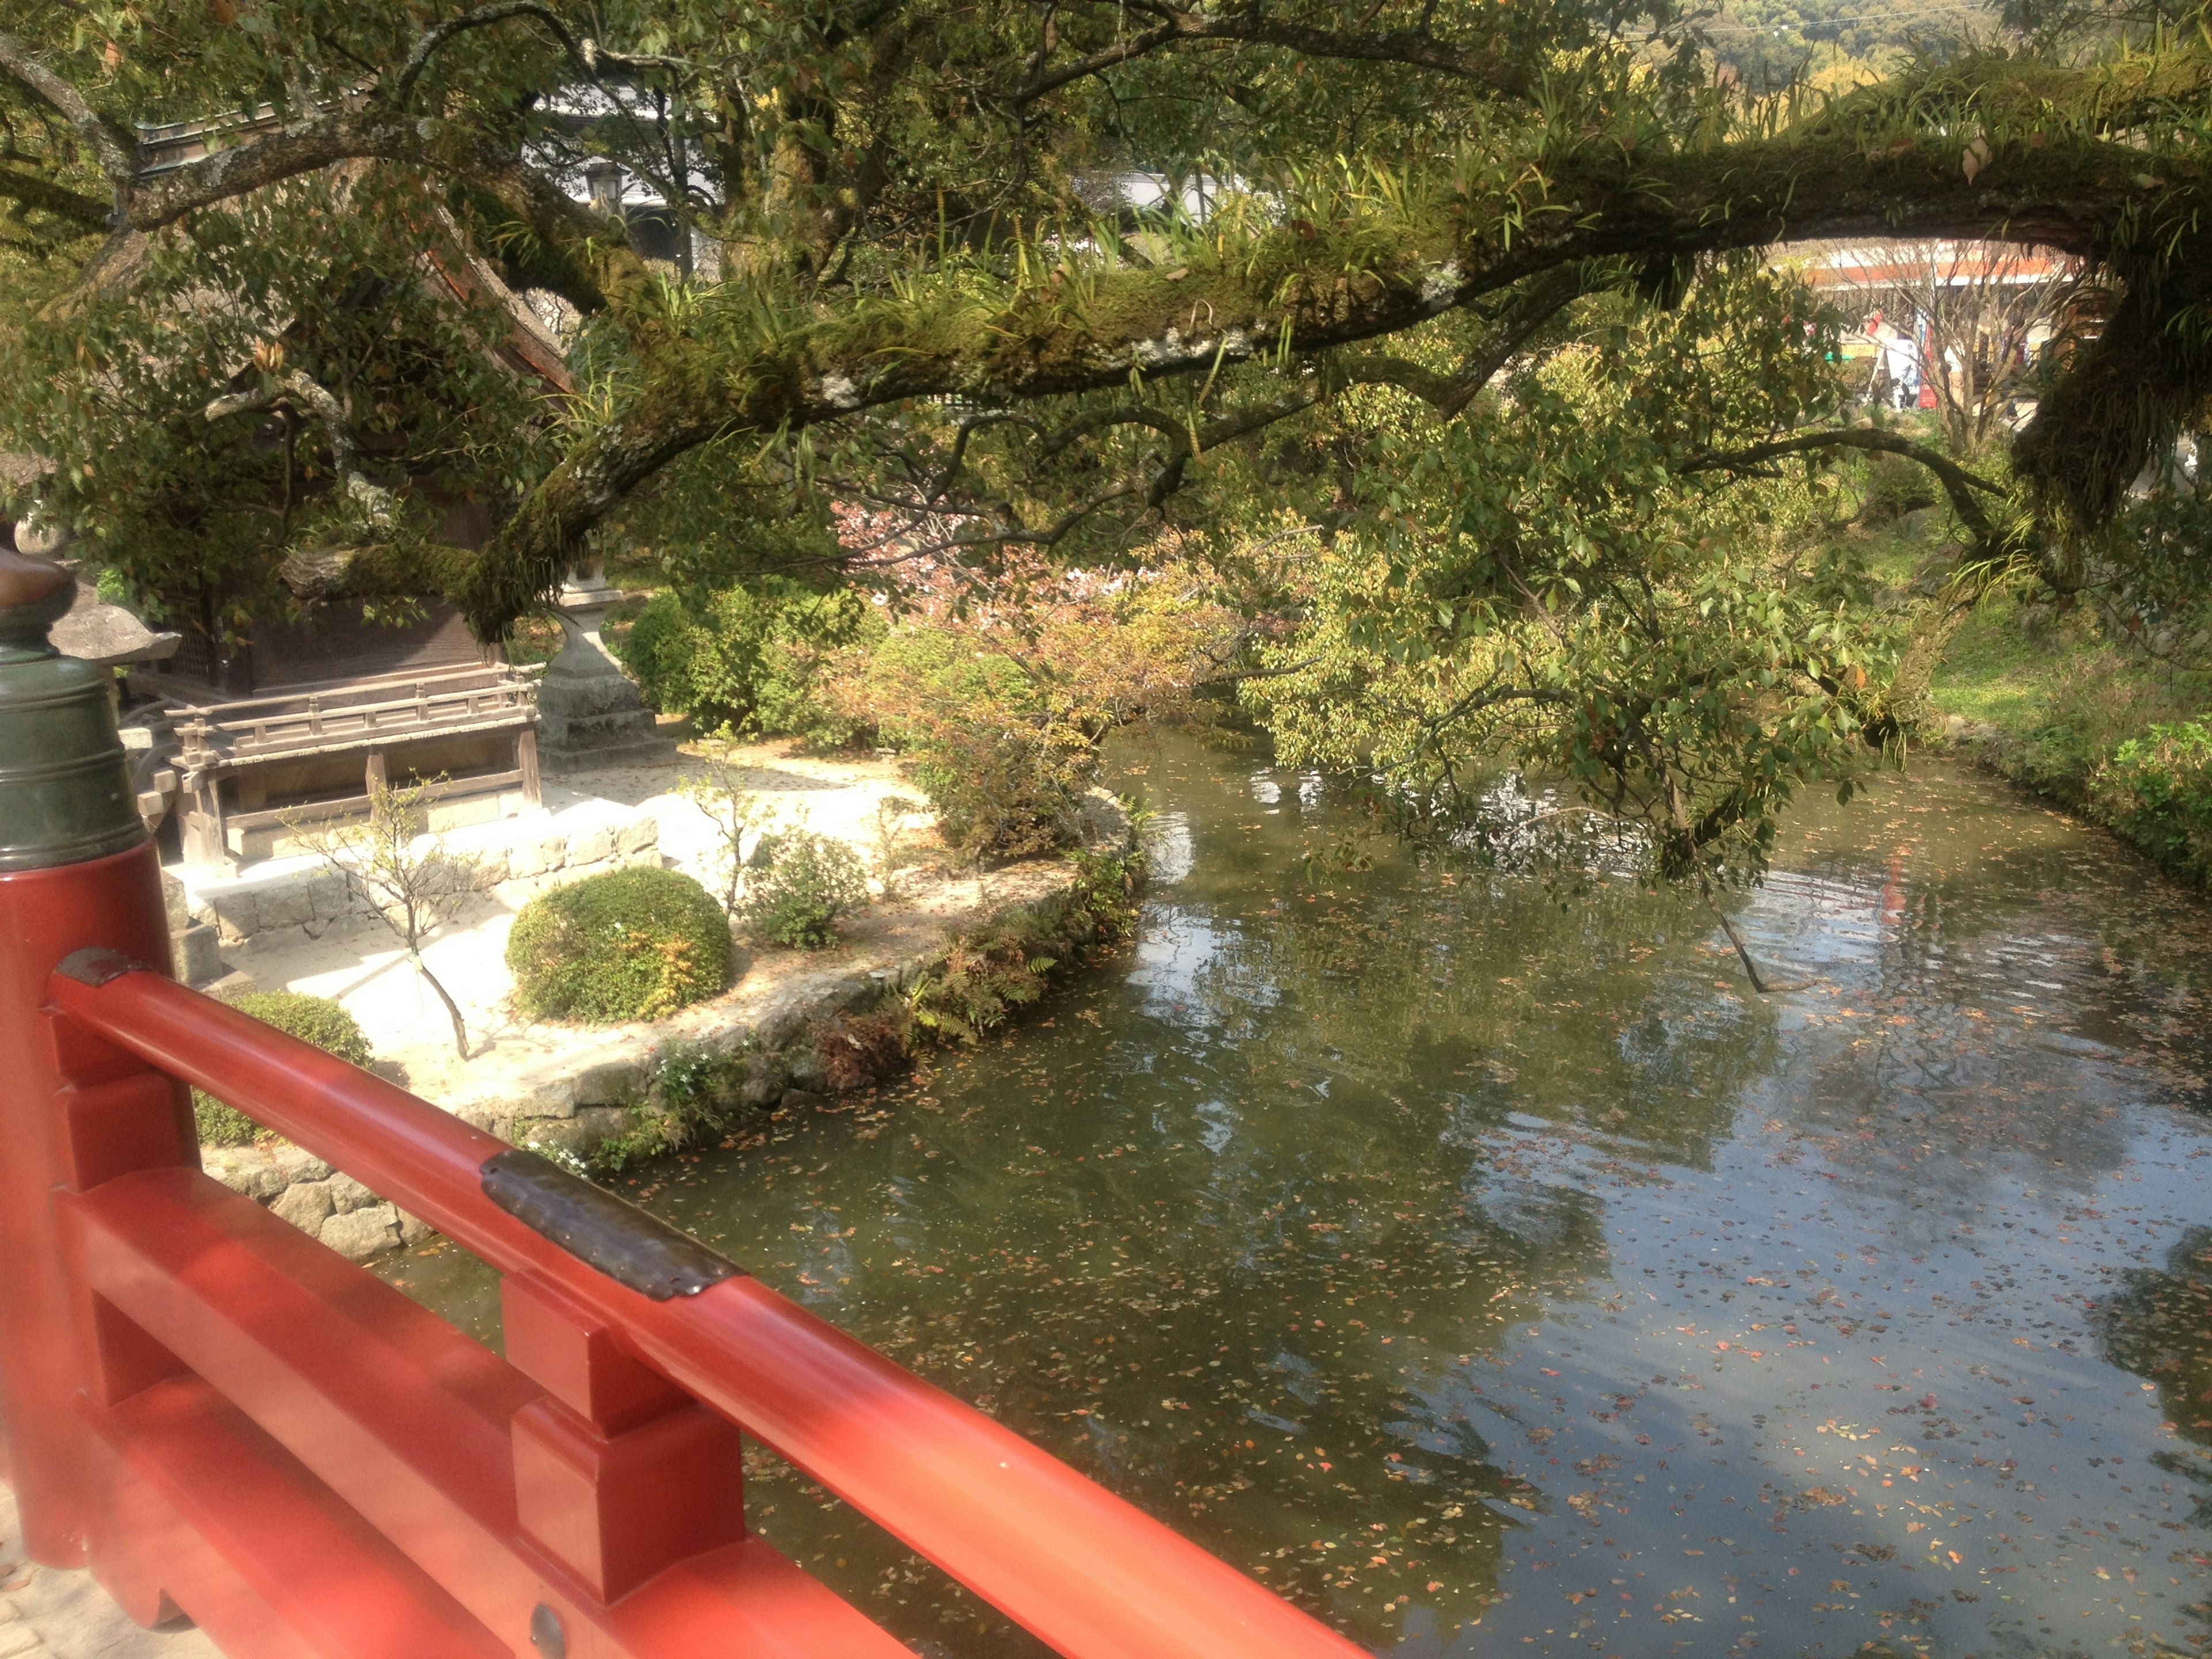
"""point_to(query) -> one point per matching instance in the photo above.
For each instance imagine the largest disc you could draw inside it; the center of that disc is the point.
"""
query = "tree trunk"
(1906, 708)
(453, 1008)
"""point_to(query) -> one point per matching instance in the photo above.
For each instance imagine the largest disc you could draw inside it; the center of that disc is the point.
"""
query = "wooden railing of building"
(241, 739)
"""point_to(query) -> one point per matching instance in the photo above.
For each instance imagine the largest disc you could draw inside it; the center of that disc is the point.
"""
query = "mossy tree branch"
(1991, 147)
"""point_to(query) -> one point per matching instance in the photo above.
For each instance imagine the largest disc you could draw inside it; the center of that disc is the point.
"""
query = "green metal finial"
(64, 787)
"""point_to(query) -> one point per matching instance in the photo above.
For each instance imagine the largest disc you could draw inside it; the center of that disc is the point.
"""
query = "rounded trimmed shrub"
(634, 943)
(805, 883)
(318, 1020)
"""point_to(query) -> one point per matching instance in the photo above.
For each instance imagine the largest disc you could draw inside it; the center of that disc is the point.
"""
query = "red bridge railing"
(224, 1418)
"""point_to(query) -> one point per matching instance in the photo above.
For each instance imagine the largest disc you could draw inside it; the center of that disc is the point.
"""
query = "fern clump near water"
(634, 943)
(982, 979)
(318, 1020)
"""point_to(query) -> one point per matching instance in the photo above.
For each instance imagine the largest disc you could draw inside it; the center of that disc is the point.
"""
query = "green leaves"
(212, 416)
(1652, 664)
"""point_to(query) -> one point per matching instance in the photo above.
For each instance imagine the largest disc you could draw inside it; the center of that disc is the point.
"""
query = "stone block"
(552, 1097)
(328, 896)
(363, 1235)
(1105, 821)
(298, 1163)
(197, 949)
(592, 845)
(536, 857)
(247, 1170)
(608, 1083)
(641, 834)
(176, 903)
(347, 1195)
(414, 1230)
(780, 1022)
(556, 1135)
(237, 914)
(601, 1124)
(284, 905)
(490, 869)
(494, 1117)
(806, 1071)
(305, 1204)
(761, 1081)
(854, 990)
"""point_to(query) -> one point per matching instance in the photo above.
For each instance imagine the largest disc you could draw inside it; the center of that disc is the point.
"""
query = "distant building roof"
(1837, 267)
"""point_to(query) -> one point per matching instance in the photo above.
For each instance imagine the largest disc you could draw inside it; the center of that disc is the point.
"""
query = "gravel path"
(49, 1611)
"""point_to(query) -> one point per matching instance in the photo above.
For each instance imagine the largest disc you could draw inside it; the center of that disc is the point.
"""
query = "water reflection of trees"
(2159, 1327)
(1492, 997)
(1390, 1214)
(1964, 1002)
(1987, 901)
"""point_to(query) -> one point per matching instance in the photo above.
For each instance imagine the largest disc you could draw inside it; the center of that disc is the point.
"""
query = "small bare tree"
(1975, 311)
(412, 881)
(733, 812)
(891, 813)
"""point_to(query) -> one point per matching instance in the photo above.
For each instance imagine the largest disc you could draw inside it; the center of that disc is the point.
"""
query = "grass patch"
(2053, 702)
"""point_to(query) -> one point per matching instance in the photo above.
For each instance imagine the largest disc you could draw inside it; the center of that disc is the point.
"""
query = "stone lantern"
(589, 713)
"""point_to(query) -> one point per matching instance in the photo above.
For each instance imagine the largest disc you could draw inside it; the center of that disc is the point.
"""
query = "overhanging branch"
(1958, 484)
(1416, 49)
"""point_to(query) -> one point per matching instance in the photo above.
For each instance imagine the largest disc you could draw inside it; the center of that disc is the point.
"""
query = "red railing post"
(620, 1473)
(76, 870)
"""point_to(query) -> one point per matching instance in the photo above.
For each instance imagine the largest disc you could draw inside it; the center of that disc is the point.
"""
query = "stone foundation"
(316, 1198)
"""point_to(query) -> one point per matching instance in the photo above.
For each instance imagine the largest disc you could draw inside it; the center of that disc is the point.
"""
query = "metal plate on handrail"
(600, 1230)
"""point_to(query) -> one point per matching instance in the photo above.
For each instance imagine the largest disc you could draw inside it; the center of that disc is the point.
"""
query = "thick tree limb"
(589, 55)
(1414, 48)
(338, 431)
(434, 40)
(1519, 321)
(1292, 291)
(1285, 284)
(1958, 484)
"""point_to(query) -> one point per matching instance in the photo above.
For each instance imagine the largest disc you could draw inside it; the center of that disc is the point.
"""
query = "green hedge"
(746, 659)
(2157, 791)
(312, 1019)
(629, 945)
(807, 883)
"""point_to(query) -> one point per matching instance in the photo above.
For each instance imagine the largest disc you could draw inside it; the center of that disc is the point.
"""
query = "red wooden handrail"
(1087, 1572)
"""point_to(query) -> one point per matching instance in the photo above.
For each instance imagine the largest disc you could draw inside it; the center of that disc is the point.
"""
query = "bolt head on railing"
(64, 786)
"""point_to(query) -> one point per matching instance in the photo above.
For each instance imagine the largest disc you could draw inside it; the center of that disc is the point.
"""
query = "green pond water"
(1497, 1275)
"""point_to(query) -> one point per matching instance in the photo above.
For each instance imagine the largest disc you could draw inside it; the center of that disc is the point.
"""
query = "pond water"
(1492, 1273)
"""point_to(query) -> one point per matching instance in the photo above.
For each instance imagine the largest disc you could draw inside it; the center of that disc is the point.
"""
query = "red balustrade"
(225, 1417)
